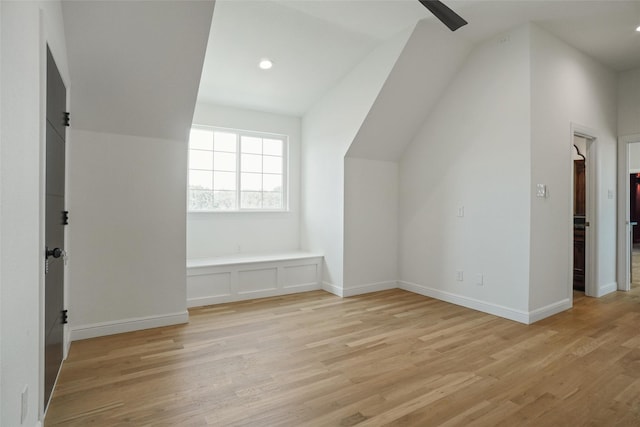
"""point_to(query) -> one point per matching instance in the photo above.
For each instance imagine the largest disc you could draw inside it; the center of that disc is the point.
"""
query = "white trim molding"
(549, 310)
(606, 289)
(369, 287)
(485, 307)
(333, 289)
(128, 325)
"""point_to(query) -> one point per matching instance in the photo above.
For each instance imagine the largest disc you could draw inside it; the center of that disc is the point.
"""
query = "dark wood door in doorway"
(579, 224)
(55, 220)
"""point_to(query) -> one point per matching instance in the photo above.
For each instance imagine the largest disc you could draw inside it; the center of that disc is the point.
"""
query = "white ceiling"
(314, 43)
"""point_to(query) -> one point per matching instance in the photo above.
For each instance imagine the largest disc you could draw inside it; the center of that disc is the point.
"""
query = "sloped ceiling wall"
(427, 64)
(135, 65)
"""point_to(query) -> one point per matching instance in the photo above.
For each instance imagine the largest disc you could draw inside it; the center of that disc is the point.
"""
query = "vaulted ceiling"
(314, 43)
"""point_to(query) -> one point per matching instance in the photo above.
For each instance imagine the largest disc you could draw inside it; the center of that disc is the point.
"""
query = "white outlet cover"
(541, 190)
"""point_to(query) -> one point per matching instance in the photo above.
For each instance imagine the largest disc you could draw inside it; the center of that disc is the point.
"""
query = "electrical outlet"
(461, 211)
(541, 190)
(480, 279)
(459, 276)
(24, 404)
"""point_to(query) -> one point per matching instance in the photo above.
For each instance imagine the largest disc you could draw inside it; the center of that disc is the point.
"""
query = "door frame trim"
(590, 235)
(623, 226)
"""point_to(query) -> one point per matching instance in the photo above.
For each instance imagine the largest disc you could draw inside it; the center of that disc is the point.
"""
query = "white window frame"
(239, 134)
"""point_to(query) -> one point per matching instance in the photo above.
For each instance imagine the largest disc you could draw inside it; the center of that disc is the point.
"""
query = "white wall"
(629, 103)
(371, 186)
(128, 230)
(472, 153)
(214, 234)
(370, 225)
(568, 87)
(327, 131)
(22, 73)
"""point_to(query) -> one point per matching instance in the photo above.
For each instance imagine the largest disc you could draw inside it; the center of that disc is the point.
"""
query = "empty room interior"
(319, 213)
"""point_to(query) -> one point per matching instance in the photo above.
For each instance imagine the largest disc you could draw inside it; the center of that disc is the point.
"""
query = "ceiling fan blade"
(444, 14)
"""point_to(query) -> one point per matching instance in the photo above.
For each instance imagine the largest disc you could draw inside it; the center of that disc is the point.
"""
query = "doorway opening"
(628, 212)
(580, 223)
(633, 171)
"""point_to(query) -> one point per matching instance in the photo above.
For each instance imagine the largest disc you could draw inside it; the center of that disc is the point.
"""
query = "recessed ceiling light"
(265, 64)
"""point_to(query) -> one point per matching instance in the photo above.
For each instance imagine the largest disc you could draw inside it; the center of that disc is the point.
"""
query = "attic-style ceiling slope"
(411, 90)
(135, 65)
(314, 43)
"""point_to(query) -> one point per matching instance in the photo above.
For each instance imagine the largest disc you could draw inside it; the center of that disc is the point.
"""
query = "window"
(231, 170)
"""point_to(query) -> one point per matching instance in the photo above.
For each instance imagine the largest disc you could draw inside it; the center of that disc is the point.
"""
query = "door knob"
(56, 253)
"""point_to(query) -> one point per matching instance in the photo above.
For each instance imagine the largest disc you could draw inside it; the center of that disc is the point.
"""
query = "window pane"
(251, 200)
(251, 163)
(272, 182)
(272, 147)
(201, 139)
(224, 161)
(224, 200)
(272, 164)
(225, 141)
(200, 200)
(251, 144)
(199, 159)
(251, 182)
(224, 181)
(271, 200)
(202, 180)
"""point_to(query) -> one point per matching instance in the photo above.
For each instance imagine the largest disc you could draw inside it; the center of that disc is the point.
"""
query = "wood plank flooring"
(388, 358)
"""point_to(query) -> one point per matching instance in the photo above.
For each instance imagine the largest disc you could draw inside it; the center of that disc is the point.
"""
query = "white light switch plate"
(541, 190)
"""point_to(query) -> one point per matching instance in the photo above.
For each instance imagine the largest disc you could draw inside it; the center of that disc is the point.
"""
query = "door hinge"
(66, 118)
(65, 217)
(64, 317)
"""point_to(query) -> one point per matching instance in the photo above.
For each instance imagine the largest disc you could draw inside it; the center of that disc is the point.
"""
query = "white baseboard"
(549, 310)
(369, 287)
(332, 289)
(485, 307)
(127, 325)
(606, 289)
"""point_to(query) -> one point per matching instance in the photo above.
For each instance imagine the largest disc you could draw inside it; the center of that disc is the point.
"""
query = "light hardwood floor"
(389, 358)
(635, 267)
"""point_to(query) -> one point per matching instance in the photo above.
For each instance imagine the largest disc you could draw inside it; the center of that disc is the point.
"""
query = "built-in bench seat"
(239, 277)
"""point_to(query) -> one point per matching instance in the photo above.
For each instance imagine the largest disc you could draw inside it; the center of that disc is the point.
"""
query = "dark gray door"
(54, 226)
